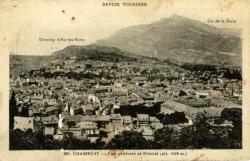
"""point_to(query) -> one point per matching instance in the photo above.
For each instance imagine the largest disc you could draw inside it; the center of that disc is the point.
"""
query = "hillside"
(181, 40)
(93, 52)
(25, 63)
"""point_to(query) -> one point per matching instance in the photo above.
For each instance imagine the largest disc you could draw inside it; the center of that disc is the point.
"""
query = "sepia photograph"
(136, 75)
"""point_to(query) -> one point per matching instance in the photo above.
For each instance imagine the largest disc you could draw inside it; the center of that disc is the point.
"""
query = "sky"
(24, 22)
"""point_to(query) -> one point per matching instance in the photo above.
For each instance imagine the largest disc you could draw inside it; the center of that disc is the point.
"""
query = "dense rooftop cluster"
(90, 98)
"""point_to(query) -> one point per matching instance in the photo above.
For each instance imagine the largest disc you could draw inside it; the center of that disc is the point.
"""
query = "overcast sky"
(27, 21)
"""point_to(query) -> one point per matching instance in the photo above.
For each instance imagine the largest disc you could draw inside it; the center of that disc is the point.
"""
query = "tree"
(185, 138)
(234, 115)
(178, 117)
(200, 131)
(23, 140)
(218, 142)
(99, 144)
(163, 138)
(15, 138)
(49, 143)
(12, 109)
(103, 133)
(69, 141)
(128, 140)
(173, 118)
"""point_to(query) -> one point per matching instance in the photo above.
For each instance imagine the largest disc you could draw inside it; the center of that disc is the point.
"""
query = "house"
(139, 81)
(146, 97)
(223, 103)
(24, 123)
(58, 135)
(119, 84)
(176, 93)
(52, 110)
(76, 131)
(71, 121)
(106, 111)
(50, 124)
(148, 133)
(212, 113)
(142, 120)
(196, 102)
(88, 109)
(116, 119)
(30, 111)
(26, 110)
(75, 109)
(37, 98)
(93, 99)
(120, 88)
(88, 128)
(49, 130)
(155, 123)
(71, 60)
(154, 120)
(102, 120)
(175, 106)
(201, 94)
(81, 127)
(37, 114)
(127, 120)
(208, 94)
(50, 101)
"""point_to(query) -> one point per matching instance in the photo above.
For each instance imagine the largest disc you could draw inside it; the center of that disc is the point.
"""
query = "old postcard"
(124, 80)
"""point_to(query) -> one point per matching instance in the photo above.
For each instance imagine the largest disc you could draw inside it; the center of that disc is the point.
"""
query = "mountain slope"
(24, 63)
(93, 52)
(181, 40)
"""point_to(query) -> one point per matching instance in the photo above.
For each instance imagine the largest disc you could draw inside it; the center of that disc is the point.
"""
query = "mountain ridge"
(180, 39)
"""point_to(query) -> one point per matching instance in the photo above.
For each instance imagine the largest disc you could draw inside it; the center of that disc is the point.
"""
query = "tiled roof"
(75, 118)
(49, 119)
(102, 118)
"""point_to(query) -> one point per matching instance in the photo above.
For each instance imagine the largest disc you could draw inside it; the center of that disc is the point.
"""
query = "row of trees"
(28, 140)
(229, 73)
(73, 75)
